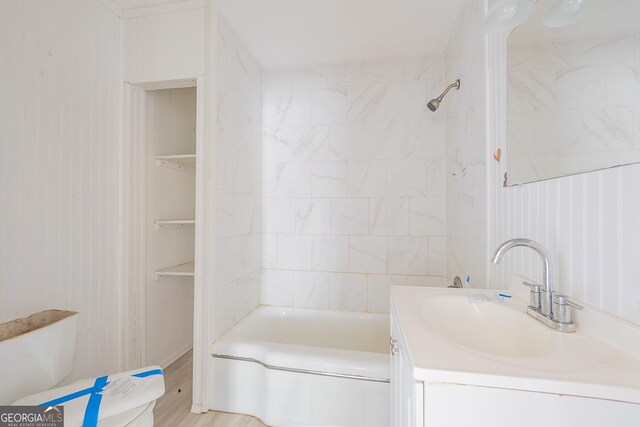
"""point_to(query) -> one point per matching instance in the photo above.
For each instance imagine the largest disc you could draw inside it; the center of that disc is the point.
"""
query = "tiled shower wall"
(239, 179)
(353, 182)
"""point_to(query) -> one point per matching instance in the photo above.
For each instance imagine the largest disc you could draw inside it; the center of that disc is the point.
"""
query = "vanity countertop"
(476, 337)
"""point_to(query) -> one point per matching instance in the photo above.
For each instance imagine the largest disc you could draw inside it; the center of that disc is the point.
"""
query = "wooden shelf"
(165, 224)
(181, 162)
(183, 270)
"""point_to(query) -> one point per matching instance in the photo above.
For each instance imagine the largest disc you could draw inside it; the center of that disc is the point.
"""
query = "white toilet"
(36, 353)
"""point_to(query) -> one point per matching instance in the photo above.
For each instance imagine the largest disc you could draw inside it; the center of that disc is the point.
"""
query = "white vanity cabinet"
(406, 392)
(435, 383)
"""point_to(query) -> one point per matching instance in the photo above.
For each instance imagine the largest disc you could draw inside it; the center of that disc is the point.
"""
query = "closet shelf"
(181, 162)
(165, 224)
(184, 270)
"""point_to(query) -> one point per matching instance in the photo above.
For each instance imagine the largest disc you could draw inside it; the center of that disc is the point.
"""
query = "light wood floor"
(172, 409)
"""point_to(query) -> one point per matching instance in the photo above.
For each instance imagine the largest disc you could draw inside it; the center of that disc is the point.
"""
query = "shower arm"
(451, 86)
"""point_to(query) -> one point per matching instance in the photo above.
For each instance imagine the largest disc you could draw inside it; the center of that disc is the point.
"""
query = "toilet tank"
(36, 353)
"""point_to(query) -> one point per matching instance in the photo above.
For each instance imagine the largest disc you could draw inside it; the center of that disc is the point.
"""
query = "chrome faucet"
(551, 309)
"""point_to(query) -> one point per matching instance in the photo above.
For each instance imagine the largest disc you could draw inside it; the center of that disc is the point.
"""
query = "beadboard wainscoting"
(353, 182)
(58, 167)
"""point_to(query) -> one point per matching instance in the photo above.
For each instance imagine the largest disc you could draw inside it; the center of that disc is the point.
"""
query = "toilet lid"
(90, 400)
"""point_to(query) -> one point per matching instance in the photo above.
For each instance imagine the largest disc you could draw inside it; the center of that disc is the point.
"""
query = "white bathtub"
(303, 367)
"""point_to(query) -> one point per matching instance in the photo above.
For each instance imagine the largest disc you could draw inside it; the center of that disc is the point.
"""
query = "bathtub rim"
(304, 359)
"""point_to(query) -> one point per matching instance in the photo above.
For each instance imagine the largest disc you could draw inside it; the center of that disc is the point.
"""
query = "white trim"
(167, 7)
(112, 6)
(133, 310)
(204, 233)
(132, 322)
(496, 111)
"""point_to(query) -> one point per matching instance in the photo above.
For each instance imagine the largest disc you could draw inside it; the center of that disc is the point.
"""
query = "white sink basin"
(494, 327)
(476, 337)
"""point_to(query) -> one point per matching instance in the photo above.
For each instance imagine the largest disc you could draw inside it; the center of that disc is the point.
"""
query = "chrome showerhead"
(434, 104)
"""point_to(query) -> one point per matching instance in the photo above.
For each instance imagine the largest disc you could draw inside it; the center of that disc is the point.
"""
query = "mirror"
(573, 89)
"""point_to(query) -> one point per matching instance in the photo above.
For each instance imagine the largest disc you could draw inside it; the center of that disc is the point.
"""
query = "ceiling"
(284, 33)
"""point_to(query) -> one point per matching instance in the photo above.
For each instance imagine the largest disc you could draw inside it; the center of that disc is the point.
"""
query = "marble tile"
(425, 138)
(226, 305)
(329, 106)
(623, 85)
(350, 217)
(248, 294)
(277, 80)
(520, 133)
(366, 103)
(287, 179)
(279, 215)
(287, 109)
(347, 141)
(311, 143)
(384, 70)
(436, 256)
(367, 254)
(435, 177)
(406, 178)
(407, 100)
(409, 255)
(294, 252)
(533, 90)
(313, 216)
(607, 49)
(554, 54)
(366, 178)
(378, 291)
(279, 144)
(580, 87)
(424, 67)
(429, 281)
(348, 292)
(311, 289)
(310, 77)
(385, 140)
(606, 129)
(277, 287)
(330, 253)
(269, 250)
(346, 73)
(329, 179)
(427, 216)
(389, 216)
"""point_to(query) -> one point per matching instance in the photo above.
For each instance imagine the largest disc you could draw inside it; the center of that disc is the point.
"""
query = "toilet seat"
(125, 397)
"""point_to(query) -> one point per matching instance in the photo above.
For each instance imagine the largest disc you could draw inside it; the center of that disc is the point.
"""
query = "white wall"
(165, 46)
(353, 182)
(58, 168)
(466, 150)
(170, 194)
(238, 171)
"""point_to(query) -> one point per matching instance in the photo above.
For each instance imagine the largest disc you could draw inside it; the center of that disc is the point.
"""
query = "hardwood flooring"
(172, 409)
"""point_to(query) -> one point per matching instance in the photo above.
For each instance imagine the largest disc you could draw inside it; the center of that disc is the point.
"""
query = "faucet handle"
(561, 310)
(534, 296)
(535, 287)
(564, 300)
